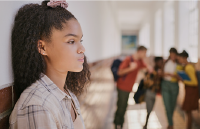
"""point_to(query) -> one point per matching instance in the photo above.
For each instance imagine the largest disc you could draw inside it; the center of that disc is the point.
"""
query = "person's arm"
(192, 75)
(132, 66)
(148, 68)
(33, 117)
(172, 75)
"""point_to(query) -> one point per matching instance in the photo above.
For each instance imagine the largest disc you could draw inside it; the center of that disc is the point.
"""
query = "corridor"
(112, 29)
(98, 105)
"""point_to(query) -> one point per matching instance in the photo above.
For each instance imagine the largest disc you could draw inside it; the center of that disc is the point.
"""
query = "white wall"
(158, 46)
(144, 35)
(5, 70)
(183, 27)
(102, 37)
(168, 27)
(7, 13)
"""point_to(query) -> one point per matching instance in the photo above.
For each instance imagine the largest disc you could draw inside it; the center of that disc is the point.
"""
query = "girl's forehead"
(72, 24)
(70, 27)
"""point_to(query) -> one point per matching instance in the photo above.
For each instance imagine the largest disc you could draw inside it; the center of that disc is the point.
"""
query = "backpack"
(115, 66)
(140, 93)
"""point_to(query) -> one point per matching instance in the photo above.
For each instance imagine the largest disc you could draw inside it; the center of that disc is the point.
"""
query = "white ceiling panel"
(131, 14)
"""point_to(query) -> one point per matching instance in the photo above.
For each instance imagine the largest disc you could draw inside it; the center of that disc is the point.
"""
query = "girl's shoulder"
(179, 67)
(189, 67)
(33, 95)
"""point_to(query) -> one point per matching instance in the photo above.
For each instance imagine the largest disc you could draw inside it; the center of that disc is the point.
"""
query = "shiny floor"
(98, 105)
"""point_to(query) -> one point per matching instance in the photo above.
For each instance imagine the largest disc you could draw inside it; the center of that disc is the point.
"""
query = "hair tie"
(56, 3)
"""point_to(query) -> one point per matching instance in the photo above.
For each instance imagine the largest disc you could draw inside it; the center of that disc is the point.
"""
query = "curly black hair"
(184, 54)
(173, 50)
(34, 22)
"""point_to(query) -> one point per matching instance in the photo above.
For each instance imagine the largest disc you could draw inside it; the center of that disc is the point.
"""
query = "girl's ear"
(41, 47)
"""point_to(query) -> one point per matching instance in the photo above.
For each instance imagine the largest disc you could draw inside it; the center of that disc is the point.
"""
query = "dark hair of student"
(141, 48)
(184, 54)
(173, 50)
(32, 23)
(156, 59)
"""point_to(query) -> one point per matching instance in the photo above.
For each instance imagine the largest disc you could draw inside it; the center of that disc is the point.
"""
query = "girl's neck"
(56, 77)
(173, 60)
(186, 62)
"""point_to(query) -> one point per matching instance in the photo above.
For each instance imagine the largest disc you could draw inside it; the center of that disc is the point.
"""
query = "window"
(193, 30)
(144, 36)
(168, 27)
(158, 34)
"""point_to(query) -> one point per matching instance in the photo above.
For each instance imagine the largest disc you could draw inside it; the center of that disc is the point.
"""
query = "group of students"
(170, 88)
(164, 77)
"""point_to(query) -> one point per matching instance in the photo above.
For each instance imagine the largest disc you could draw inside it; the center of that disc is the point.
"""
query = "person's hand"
(179, 78)
(150, 69)
(133, 65)
(168, 74)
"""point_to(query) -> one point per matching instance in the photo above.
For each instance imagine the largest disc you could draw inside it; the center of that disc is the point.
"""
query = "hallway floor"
(98, 105)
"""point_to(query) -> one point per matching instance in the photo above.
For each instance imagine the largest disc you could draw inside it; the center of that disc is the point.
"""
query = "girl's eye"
(71, 42)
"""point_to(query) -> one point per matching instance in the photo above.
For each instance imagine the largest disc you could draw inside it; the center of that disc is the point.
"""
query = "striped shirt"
(44, 106)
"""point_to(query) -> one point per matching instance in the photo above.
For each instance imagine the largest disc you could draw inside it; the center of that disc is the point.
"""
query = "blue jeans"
(169, 92)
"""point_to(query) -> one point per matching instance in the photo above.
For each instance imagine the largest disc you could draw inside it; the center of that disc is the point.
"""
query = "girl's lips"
(81, 60)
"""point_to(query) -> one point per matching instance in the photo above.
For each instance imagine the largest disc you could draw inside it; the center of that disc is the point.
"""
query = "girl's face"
(182, 60)
(159, 63)
(173, 56)
(65, 52)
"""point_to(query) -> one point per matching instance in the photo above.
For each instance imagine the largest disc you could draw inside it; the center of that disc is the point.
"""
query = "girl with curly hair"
(191, 88)
(49, 67)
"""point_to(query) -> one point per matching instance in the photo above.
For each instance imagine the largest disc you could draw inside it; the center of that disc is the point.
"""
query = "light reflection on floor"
(136, 119)
(131, 100)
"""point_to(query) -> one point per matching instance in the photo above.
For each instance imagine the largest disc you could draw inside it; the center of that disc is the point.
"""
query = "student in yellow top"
(191, 88)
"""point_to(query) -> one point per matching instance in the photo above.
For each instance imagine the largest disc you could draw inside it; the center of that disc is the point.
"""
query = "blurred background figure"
(191, 88)
(114, 30)
(170, 86)
(152, 82)
(127, 73)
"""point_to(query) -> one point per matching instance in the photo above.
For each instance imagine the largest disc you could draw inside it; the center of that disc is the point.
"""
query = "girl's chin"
(78, 69)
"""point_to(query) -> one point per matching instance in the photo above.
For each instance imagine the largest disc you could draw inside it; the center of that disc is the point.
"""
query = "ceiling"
(131, 14)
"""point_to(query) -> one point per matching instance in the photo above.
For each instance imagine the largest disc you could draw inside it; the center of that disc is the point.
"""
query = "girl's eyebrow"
(72, 35)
